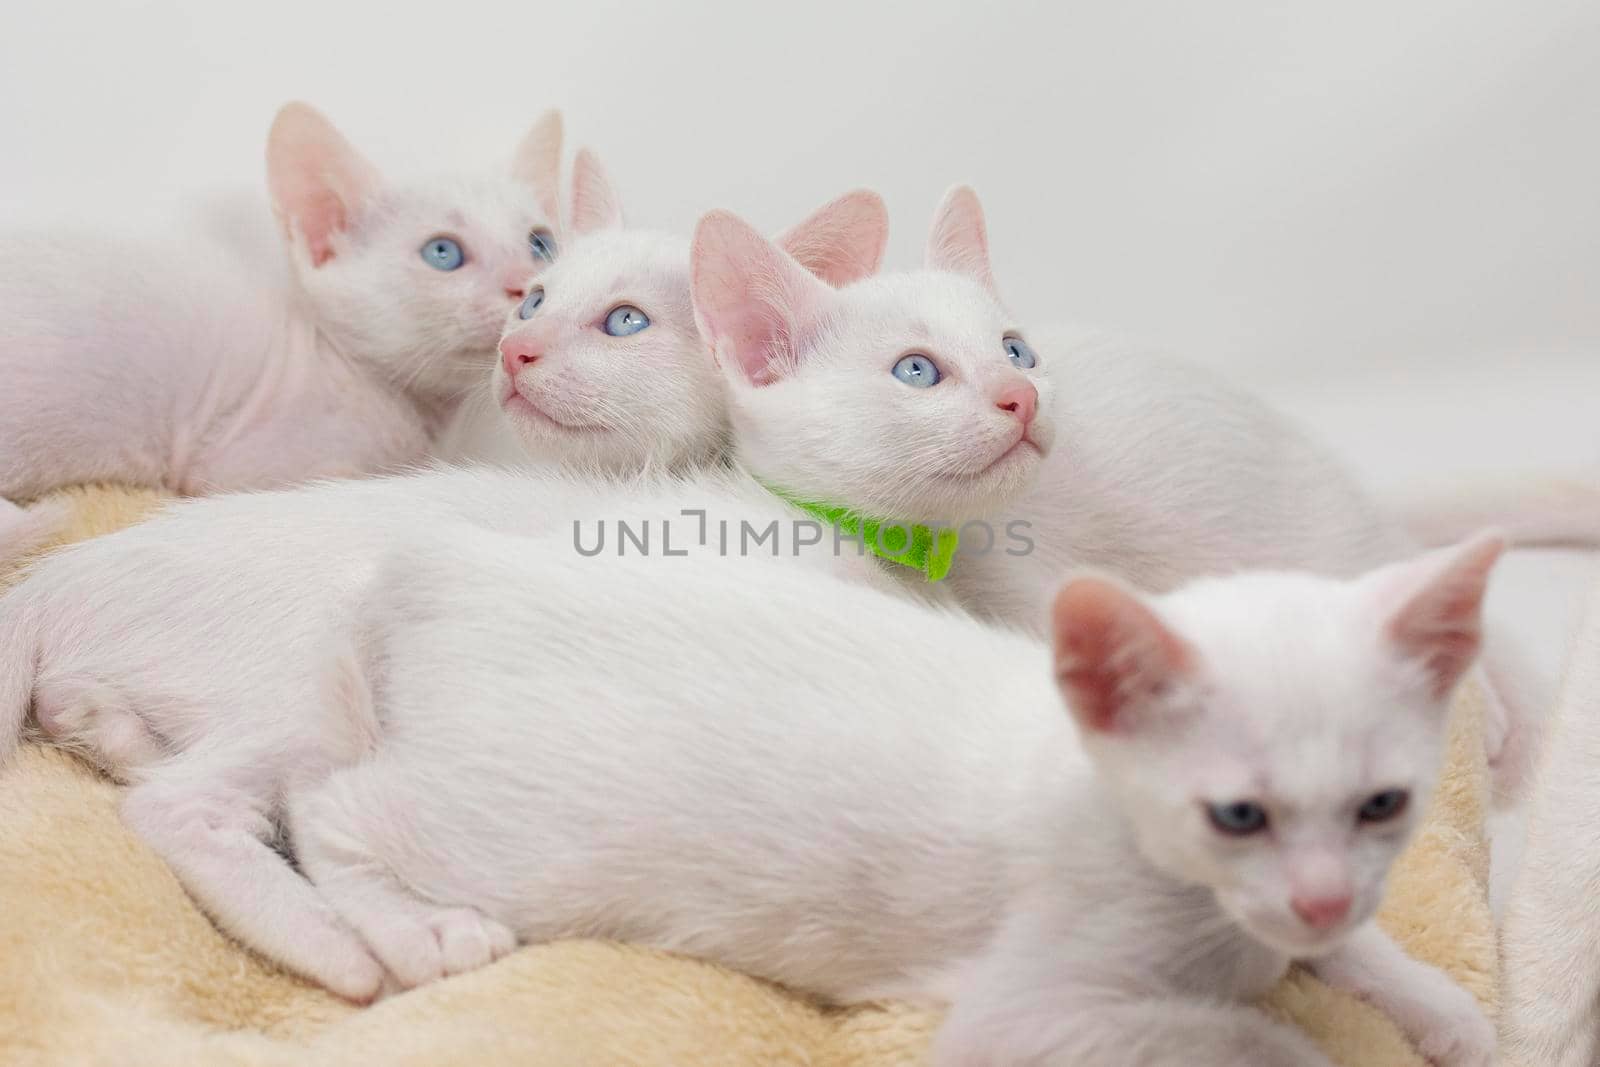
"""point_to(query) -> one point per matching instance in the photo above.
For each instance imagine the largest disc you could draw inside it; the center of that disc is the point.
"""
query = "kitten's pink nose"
(1020, 400)
(515, 282)
(517, 352)
(1321, 913)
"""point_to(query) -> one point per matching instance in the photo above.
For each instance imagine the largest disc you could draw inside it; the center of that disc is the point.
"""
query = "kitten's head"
(910, 396)
(1275, 737)
(601, 366)
(415, 277)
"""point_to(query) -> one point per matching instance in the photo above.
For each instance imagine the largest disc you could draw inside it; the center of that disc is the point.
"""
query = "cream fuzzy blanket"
(107, 961)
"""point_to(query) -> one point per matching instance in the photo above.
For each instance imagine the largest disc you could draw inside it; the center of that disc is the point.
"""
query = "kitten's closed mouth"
(517, 403)
(1020, 447)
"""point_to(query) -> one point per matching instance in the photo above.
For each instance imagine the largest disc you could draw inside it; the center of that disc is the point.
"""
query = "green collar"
(932, 551)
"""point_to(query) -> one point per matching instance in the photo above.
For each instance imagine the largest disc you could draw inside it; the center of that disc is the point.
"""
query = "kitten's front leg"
(1442, 1018)
(1018, 1027)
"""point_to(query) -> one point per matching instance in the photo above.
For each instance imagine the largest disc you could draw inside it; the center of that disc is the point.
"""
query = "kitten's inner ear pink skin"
(842, 241)
(595, 203)
(1439, 620)
(538, 163)
(751, 300)
(959, 240)
(1111, 652)
(318, 181)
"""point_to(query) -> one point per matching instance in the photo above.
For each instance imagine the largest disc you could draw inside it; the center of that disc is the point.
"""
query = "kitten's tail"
(22, 530)
(1534, 512)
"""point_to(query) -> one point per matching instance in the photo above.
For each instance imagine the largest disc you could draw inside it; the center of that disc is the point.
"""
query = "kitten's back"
(1163, 472)
(756, 710)
(111, 345)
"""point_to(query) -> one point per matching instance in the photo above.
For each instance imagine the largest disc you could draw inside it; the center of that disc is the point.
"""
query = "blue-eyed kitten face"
(414, 276)
(1276, 737)
(911, 396)
(601, 365)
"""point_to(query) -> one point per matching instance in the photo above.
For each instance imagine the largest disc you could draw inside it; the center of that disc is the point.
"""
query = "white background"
(1385, 215)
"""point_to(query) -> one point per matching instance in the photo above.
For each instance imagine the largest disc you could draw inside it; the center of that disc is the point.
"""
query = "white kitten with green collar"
(1077, 449)
(830, 787)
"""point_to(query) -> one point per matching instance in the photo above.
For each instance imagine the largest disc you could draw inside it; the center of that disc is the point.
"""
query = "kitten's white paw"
(1459, 1035)
(469, 939)
(437, 943)
(351, 972)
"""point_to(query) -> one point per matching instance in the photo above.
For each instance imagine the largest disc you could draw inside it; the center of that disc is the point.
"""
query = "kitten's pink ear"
(1112, 653)
(1433, 607)
(318, 182)
(538, 163)
(752, 302)
(595, 204)
(959, 241)
(842, 241)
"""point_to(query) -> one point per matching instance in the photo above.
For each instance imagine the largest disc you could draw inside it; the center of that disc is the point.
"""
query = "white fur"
(815, 409)
(1141, 465)
(209, 360)
(596, 402)
(652, 400)
(1162, 473)
(820, 784)
(840, 428)
(1551, 935)
(180, 652)
(1145, 466)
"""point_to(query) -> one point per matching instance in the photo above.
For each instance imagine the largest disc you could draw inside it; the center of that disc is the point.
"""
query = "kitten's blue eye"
(1020, 353)
(542, 243)
(442, 253)
(626, 320)
(1239, 819)
(1381, 807)
(531, 302)
(917, 370)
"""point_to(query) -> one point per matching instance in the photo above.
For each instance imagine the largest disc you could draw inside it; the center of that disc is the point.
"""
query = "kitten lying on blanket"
(1156, 470)
(274, 571)
(829, 787)
(191, 367)
(178, 653)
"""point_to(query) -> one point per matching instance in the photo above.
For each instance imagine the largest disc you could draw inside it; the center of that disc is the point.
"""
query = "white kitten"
(832, 788)
(1550, 940)
(1077, 450)
(180, 653)
(898, 397)
(189, 365)
(602, 367)
(176, 652)
(1150, 468)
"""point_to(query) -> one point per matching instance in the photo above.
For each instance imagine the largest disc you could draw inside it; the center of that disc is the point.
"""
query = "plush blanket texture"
(107, 961)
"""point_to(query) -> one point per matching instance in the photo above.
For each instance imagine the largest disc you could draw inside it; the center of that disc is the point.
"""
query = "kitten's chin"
(987, 493)
(952, 498)
(1288, 935)
(533, 422)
